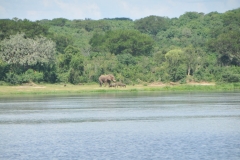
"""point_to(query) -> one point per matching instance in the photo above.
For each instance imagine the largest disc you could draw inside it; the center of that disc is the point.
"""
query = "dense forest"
(194, 47)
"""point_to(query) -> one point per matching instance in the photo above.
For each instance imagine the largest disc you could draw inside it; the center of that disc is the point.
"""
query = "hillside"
(195, 47)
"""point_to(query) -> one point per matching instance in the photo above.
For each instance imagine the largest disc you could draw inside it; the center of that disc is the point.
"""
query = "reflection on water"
(146, 125)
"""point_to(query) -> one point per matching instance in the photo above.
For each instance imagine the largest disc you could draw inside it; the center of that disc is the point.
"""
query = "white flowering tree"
(27, 52)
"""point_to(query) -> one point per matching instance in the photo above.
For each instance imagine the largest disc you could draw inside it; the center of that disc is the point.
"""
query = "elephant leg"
(108, 82)
(100, 83)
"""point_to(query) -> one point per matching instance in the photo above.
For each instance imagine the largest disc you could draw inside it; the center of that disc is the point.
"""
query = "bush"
(32, 76)
(183, 81)
(180, 73)
(2, 83)
(83, 79)
(230, 77)
(63, 77)
(13, 78)
(74, 77)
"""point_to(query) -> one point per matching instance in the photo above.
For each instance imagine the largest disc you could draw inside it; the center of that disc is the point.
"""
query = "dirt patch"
(26, 87)
(202, 83)
(157, 84)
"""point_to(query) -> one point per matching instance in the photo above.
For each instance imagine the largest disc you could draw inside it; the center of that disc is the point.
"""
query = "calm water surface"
(146, 125)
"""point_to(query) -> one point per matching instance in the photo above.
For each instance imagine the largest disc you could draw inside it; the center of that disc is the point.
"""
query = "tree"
(189, 16)
(123, 42)
(174, 59)
(62, 41)
(26, 51)
(59, 21)
(30, 29)
(126, 59)
(227, 45)
(192, 58)
(151, 24)
(71, 61)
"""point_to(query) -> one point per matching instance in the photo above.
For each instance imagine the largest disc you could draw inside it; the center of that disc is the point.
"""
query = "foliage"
(228, 47)
(194, 47)
(30, 29)
(151, 24)
(32, 76)
(26, 51)
(123, 42)
(71, 65)
(13, 78)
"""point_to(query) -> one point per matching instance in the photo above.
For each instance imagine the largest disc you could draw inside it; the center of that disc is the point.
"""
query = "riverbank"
(42, 89)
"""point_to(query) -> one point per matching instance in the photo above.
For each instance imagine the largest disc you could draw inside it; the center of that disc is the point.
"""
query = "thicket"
(193, 47)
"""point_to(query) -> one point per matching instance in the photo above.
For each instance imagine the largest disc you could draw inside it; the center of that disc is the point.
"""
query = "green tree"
(192, 58)
(123, 42)
(227, 45)
(71, 65)
(151, 24)
(30, 29)
(174, 59)
(58, 22)
(62, 41)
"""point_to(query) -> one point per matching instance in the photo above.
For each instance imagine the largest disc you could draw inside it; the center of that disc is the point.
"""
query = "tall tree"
(123, 42)
(26, 51)
(30, 29)
(227, 45)
(174, 59)
(151, 24)
(192, 58)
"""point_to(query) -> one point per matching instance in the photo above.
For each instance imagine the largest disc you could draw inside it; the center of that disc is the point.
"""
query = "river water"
(144, 125)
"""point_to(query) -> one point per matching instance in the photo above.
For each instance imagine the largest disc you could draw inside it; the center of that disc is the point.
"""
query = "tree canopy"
(123, 42)
(194, 47)
(25, 51)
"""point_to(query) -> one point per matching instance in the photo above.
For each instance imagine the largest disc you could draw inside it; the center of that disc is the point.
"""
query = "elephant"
(106, 79)
(112, 85)
(120, 84)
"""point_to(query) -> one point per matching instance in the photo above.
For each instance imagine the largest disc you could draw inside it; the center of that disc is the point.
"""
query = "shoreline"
(60, 89)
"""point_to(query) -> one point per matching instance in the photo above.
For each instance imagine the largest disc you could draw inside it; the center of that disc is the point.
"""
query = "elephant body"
(106, 79)
(112, 85)
(120, 84)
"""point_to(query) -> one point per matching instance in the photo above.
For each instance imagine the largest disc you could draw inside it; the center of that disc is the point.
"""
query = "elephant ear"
(111, 76)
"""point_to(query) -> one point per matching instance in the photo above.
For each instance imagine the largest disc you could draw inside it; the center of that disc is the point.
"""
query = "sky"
(98, 9)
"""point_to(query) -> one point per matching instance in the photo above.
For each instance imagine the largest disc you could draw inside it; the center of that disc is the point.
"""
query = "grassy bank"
(41, 89)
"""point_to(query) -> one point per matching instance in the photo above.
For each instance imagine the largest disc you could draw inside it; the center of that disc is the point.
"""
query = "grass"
(44, 89)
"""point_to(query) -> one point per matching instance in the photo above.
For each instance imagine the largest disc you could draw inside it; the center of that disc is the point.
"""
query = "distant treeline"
(193, 47)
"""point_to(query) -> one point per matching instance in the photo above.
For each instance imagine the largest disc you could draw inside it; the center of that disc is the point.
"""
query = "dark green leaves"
(152, 24)
(123, 42)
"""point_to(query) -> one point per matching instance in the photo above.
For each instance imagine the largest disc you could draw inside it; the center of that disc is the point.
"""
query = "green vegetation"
(195, 47)
(57, 89)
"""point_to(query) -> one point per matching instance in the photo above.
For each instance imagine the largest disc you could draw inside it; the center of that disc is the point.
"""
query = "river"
(135, 125)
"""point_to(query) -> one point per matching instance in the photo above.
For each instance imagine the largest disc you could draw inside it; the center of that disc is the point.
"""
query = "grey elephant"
(112, 85)
(106, 79)
(120, 84)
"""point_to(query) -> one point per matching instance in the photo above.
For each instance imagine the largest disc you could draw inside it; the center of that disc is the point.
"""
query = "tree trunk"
(189, 70)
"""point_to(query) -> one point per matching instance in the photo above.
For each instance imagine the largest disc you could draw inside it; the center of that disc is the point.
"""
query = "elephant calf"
(120, 84)
(112, 85)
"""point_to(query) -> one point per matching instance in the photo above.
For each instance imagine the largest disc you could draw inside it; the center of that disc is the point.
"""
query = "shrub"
(32, 76)
(13, 78)
(63, 77)
(230, 77)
